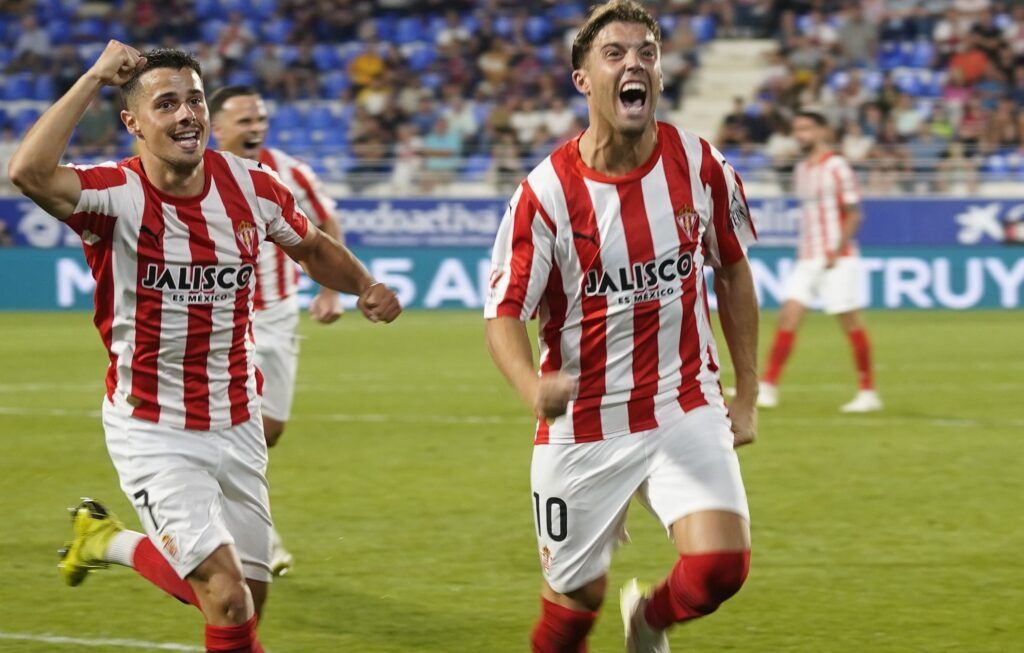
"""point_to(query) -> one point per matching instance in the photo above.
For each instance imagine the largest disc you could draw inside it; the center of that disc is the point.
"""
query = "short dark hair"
(614, 11)
(812, 113)
(219, 98)
(160, 58)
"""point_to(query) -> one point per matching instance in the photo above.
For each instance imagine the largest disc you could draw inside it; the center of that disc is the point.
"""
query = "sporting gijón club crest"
(245, 234)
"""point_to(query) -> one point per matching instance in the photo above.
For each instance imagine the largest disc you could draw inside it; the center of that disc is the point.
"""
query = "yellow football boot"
(94, 527)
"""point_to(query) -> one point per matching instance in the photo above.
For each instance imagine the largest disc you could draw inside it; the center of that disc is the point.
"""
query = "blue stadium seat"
(704, 28)
(546, 53)
(326, 57)
(924, 54)
(481, 111)
(207, 9)
(334, 83)
(335, 138)
(24, 119)
(321, 117)
(3, 117)
(58, 29)
(889, 55)
(436, 23)
(42, 88)
(88, 53)
(408, 30)
(261, 9)
(420, 55)
(242, 78)
(668, 23)
(476, 166)
(471, 23)
(803, 23)
(503, 26)
(288, 53)
(286, 116)
(19, 86)
(538, 28)
(906, 80)
(91, 29)
(276, 30)
(299, 139)
(209, 31)
(6, 54)
(565, 10)
(386, 27)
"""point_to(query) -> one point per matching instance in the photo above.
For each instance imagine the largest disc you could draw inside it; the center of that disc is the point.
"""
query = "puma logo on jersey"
(592, 236)
(639, 277)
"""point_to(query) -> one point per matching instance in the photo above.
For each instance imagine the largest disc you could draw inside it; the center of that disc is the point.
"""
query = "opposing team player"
(240, 124)
(607, 240)
(828, 262)
(172, 237)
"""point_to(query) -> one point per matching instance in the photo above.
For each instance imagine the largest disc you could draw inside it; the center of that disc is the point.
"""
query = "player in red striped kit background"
(606, 240)
(240, 124)
(828, 260)
(172, 237)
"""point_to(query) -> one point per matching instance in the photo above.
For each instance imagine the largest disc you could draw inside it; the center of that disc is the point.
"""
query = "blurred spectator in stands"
(1013, 31)
(733, 131)
(408, 161)
(969, 60)
(66, 68)
(526, 120)
(376, 96)
(96, 133)
(925, 149)
(1016, 90)
(370, 151)
(427, 114)
(304, 79)
(988, 37)
(453, 32)
(442, 147)
(856, 36)
(507, 164)
(948, 33)
(234, 41)
(940, 123)
(958, 172)
(907, 116)
(957, 92)
(559, 119)
(972, 125)
(32, 47)
(856, 146)
(1002, 128)
(991, 87)
(460, 113)
(141, 18)
(542, 144)
(872, 120)
(213, 65)
(819, 32)
(271, 73)
(678, 59)
(366, 66)
(178, 19)
(494, 65)
(9, 142)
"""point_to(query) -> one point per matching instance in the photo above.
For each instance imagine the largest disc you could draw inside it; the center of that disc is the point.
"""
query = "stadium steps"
(728, 68)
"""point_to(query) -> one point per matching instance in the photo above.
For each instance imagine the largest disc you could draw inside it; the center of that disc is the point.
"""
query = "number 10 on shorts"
(554, 517)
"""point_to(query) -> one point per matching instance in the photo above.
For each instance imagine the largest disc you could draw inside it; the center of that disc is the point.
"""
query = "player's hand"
(743, 415)
(553, 394)
(830, 260)
(117, 64)
(326, 307)
(379, 303)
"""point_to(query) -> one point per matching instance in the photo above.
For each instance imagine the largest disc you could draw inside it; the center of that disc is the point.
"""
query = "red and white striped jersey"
(615, 268)
(824, 188)
(277, 276)
(174, 285)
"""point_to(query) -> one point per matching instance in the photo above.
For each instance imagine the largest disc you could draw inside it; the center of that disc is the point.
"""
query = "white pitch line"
(47, 412)
(138, 645)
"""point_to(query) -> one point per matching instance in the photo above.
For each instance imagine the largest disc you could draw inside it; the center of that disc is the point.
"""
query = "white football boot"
(767, 395)
(281, 560)
(640, 637)
(866, 401)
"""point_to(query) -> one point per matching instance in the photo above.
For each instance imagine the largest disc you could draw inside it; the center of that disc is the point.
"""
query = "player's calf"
(697, 586)
(566, 619)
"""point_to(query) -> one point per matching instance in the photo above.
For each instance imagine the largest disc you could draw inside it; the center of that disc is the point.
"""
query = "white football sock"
(121, 550)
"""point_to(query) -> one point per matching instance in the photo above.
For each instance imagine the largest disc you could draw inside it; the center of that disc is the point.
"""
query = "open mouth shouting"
(633, 97)
(252, 144)
(187, 139)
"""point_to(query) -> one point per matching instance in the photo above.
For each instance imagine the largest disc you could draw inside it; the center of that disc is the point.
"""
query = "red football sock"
(862, 357)
(777, 358)
(561, 629)
(152, 566)
(697, 585)
(233, 639)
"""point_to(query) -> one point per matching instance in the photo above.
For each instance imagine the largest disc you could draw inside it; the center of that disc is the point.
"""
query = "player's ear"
(581, 81)
(130, 123)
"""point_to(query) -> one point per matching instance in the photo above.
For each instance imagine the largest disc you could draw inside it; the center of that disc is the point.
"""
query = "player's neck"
(612, 153)
(175, 181)
(819, 153)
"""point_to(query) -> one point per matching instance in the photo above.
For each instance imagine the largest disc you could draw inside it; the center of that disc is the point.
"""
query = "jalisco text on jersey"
(640, 276)
(203, 278)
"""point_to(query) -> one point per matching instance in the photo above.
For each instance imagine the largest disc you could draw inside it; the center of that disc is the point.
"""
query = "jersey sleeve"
(102, 188)
(522, 258)
(846, 183)
(317, 205)
(285, 222)
(731, 229)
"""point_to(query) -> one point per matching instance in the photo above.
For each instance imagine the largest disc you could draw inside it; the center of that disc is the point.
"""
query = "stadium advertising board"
(418, 223)
(894, 278)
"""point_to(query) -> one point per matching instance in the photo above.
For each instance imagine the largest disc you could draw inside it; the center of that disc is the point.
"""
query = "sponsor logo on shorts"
(170, 546)
(545, 558)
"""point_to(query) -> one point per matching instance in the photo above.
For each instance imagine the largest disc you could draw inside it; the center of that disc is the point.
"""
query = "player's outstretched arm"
(509, 345)
(331, 264)
(35, 167)
(326, 306)
(738, 314)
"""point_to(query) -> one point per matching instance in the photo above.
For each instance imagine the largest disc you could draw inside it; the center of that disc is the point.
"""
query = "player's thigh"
(841, 287)
(694, 469)
(169, 477)
(242, 477)
(803, 283)
(580, 496)
(277, 358)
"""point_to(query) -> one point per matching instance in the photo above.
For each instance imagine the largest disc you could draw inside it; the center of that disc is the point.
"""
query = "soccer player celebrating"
(607, 239)
(828, 263)
(172, 237)
(239, 119)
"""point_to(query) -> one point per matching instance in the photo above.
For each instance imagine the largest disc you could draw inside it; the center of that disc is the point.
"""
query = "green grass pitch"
(401, 486)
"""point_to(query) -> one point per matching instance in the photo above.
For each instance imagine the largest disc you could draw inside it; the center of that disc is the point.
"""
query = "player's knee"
(229, 597)
(272, 431)
(591, 595)
(716, 579)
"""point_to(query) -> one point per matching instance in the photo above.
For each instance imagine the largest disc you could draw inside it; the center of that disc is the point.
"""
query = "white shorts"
(195, 490)
(277, 356)
(581, 491)
(838, 288)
